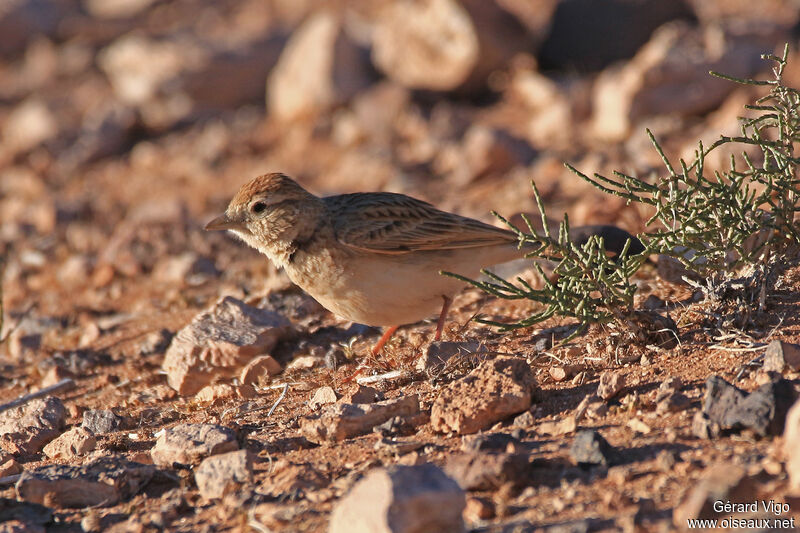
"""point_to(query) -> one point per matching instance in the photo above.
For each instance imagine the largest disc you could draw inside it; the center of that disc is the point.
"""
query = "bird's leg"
(383, 340)
(442, 317)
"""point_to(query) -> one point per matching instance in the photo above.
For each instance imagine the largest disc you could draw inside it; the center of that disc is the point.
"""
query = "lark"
(375, 257)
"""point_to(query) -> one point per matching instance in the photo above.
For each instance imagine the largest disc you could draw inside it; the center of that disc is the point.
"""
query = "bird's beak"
(224, 222)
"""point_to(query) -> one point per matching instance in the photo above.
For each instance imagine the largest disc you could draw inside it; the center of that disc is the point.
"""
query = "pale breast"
(387, 290)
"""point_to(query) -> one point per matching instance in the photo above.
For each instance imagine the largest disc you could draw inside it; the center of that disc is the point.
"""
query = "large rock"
(580, 31)
(403, 499)
(167, 80)
(188, 444)
(21, 22)
(487, 471)
(590, 448)
(321, 66)
(76, 442)
(495, 390)
(219, 342)
(27, 428)
(446, 45)
(669, 75)
(103, 482)
(342, 421)
(727, 409)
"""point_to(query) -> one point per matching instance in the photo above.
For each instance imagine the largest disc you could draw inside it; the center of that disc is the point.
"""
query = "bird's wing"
(391, 223)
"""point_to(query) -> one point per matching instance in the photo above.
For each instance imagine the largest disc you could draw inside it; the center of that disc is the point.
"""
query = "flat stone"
(188, 444)
(590, 448)
(322, 396)
(223, 474)
(487, 471)
(27, 428)
(495, 390)
(339, 421)
(219, 342)
(103, 482)
(401, 499)
(76, 442)
(781, 356)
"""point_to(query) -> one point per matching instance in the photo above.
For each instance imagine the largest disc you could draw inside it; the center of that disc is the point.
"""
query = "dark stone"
(100, 421)
(727, 409)
(590, 448)
(155, 342)
(580, 29)
(764, 410)
(720, 400)
(488, 442)
(334, 358)
(614, 238)
(487, 471)
(397, 426)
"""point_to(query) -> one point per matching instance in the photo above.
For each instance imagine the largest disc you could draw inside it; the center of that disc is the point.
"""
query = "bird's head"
(271, 213)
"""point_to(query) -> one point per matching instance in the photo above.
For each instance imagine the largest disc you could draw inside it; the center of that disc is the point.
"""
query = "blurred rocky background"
(125, 124)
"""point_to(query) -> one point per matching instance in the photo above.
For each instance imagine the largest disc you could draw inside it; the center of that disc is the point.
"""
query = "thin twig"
(280, 398)
(64, 384)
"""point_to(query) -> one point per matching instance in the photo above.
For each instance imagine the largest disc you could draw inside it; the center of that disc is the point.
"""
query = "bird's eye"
(258, 207)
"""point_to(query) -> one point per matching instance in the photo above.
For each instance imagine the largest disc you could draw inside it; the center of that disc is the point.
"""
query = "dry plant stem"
(279, 400)
(64, 384)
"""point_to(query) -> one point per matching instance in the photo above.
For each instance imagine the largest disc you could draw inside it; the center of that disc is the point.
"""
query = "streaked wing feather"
(394, 224)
